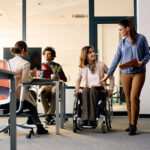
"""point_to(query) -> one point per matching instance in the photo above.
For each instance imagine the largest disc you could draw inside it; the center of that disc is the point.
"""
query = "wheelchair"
(104, 110)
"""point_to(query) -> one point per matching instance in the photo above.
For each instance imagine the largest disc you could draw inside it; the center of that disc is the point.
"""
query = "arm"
(78, 83)
(114, 64)
(146, 51)
(116, 60)
(26, 76)
(62, 75)
(111, 82)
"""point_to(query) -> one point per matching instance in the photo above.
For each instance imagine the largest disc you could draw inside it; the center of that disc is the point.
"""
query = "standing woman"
(23, 75)
(90, 74)
(132, 46)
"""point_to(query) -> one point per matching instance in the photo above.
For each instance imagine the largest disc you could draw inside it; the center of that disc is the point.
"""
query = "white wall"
(144, 28)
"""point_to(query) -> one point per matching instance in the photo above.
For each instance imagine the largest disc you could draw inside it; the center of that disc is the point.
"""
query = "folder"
(131, 63)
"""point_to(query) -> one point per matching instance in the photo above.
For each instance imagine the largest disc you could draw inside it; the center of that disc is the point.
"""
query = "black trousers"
(32, 110)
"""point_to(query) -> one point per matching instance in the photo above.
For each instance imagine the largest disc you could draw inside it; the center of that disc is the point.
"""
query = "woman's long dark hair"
(132, 32)
(19, 46)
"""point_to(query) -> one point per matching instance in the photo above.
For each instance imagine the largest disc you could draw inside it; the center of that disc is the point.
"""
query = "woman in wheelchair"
(90, 74)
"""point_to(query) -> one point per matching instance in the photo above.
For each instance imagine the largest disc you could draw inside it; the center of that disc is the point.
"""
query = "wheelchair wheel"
(75, 116)
(75, 127)
(103, 128)
(108, 123)
(109, 113)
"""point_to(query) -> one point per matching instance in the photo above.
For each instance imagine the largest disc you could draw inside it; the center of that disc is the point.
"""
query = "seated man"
(47, 93)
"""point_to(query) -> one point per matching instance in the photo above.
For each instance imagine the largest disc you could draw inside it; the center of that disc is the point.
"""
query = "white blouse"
(93, 79)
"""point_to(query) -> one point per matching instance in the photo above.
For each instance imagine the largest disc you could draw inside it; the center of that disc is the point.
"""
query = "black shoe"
(92, 123)
(50, 120)
(30, 120)
(128, 129)
(132, 130)
(41, 129)
(84, 123)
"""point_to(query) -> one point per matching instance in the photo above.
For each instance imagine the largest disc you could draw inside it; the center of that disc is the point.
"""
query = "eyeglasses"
(121, 29)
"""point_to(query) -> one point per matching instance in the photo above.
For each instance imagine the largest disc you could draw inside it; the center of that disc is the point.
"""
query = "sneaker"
(92, 123)
(84, 123)
(50, 120)
(41, 130)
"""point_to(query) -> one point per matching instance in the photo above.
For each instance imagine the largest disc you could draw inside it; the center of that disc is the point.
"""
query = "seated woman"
(90, 74)
(23, 75)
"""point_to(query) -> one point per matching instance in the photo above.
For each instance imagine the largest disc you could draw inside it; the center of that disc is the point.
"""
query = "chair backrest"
(4, 83)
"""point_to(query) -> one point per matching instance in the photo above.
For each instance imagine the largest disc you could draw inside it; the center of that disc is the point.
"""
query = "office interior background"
(68, 25)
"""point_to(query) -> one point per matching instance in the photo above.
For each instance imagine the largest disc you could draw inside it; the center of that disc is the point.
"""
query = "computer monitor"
(34, 56)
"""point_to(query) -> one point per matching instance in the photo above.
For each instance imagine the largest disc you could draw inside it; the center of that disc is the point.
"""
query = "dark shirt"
(46, 67)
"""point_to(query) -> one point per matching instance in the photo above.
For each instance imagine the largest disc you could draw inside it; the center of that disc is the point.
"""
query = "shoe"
(41, 130)
(50, 120)
(84, 123)
(92, 123)
(128, 129)
(132, 130)
(30, 120)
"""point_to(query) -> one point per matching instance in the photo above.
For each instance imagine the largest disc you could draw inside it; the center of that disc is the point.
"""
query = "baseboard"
(120, 113)
(144, 116)
(69, 115)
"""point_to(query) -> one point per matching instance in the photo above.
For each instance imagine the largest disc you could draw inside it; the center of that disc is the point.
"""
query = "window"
(63, 25)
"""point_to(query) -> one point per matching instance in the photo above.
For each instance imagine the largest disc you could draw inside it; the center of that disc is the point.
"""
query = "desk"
(60, 90)
(4, 74)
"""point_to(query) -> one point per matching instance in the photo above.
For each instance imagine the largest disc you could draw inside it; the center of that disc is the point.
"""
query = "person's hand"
(33, 72)
(76, 92)
(104, 79)
(140, 63)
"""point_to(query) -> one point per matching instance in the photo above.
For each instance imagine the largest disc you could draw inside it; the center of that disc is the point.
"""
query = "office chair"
(4, 104)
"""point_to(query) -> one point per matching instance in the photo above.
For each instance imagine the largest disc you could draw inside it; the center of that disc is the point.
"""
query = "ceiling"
(43, 12)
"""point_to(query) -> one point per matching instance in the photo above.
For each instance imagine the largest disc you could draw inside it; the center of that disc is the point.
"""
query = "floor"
(92, 139)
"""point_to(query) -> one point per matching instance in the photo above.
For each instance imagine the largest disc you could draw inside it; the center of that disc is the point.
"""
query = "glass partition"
(63, 25)
(108, 40)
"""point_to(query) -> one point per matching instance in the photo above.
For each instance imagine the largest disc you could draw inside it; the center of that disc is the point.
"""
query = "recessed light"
(79, 16)
(39, 3)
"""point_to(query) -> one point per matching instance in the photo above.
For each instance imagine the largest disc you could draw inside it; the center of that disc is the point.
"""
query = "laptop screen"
(34, 56)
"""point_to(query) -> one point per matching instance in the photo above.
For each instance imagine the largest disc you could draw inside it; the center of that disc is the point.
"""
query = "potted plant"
(56, 69)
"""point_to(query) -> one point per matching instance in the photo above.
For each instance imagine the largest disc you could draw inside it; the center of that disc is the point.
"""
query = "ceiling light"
(79, 16)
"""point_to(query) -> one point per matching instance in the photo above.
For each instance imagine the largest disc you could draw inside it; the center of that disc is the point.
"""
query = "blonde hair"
(83, 62)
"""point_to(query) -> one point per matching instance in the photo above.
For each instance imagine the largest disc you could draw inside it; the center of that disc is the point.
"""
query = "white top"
(93, 79)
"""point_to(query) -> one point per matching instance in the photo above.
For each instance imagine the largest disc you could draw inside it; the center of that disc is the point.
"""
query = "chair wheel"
(32, 132)
(103, 128)
(6, 131)
(28, 136)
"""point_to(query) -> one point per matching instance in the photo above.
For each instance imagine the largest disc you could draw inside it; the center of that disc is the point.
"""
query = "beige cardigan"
(101, 69)
(22, 69)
